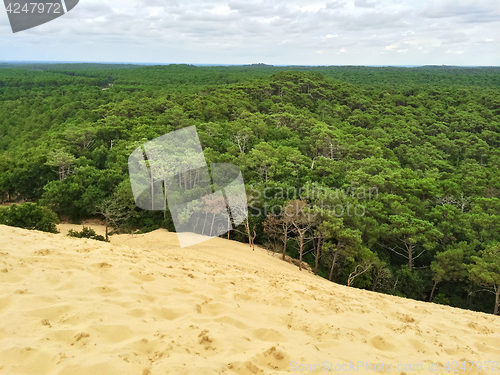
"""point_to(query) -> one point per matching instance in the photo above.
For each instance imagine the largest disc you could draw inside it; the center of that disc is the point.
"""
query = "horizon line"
(52, 62)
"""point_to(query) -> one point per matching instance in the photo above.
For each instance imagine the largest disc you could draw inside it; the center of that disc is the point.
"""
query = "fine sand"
(142, 305)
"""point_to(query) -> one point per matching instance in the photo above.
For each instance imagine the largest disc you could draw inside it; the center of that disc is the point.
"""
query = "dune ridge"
(142, 305)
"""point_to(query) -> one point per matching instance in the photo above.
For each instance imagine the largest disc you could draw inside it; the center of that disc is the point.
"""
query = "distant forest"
(415, 150)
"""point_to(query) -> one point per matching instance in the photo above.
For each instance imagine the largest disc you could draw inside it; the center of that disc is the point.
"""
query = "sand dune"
(142, 305)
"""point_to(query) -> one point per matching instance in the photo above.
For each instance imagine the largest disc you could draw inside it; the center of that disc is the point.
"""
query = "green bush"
(30, 216)
(441, 299)
(86, 233)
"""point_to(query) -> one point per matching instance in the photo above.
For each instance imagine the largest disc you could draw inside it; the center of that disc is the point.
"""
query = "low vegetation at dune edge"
(29, 216)
(86, 233)
(390, 176)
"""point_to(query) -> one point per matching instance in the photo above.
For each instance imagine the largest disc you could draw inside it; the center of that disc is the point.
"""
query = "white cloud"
(366, 3)
(278, 32)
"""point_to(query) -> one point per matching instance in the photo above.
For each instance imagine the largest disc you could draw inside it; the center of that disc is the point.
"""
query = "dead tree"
(113, 212)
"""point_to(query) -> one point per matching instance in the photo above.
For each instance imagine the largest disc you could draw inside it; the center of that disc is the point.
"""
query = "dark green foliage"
(29, 216)
(86, 232)
(411, 284)
(441, 299)
(485, 271)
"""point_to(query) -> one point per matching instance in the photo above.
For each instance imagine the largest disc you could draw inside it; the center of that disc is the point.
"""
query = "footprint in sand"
(231, 321)
(136, 313)
(184, 291)
(244, 368)
(168, 314)
(271, 335)
(273, 358)
(9, 277)
(80, 338)
(52, 313)
(43, 252)
(405, 318)
(103, 290)
(419, 346)
(110, 333)
(381, 343)
(4, 302)
(141, 276)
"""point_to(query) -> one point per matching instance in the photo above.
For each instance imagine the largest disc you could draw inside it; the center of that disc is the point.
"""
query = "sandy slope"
(141, 305)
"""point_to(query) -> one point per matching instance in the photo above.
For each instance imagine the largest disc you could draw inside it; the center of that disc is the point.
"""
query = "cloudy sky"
(295, 32)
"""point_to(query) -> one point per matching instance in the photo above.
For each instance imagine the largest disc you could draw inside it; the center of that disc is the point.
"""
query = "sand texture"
(142, 305)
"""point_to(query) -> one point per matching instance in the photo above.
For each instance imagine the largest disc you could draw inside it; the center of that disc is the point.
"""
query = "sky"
(278, 32)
